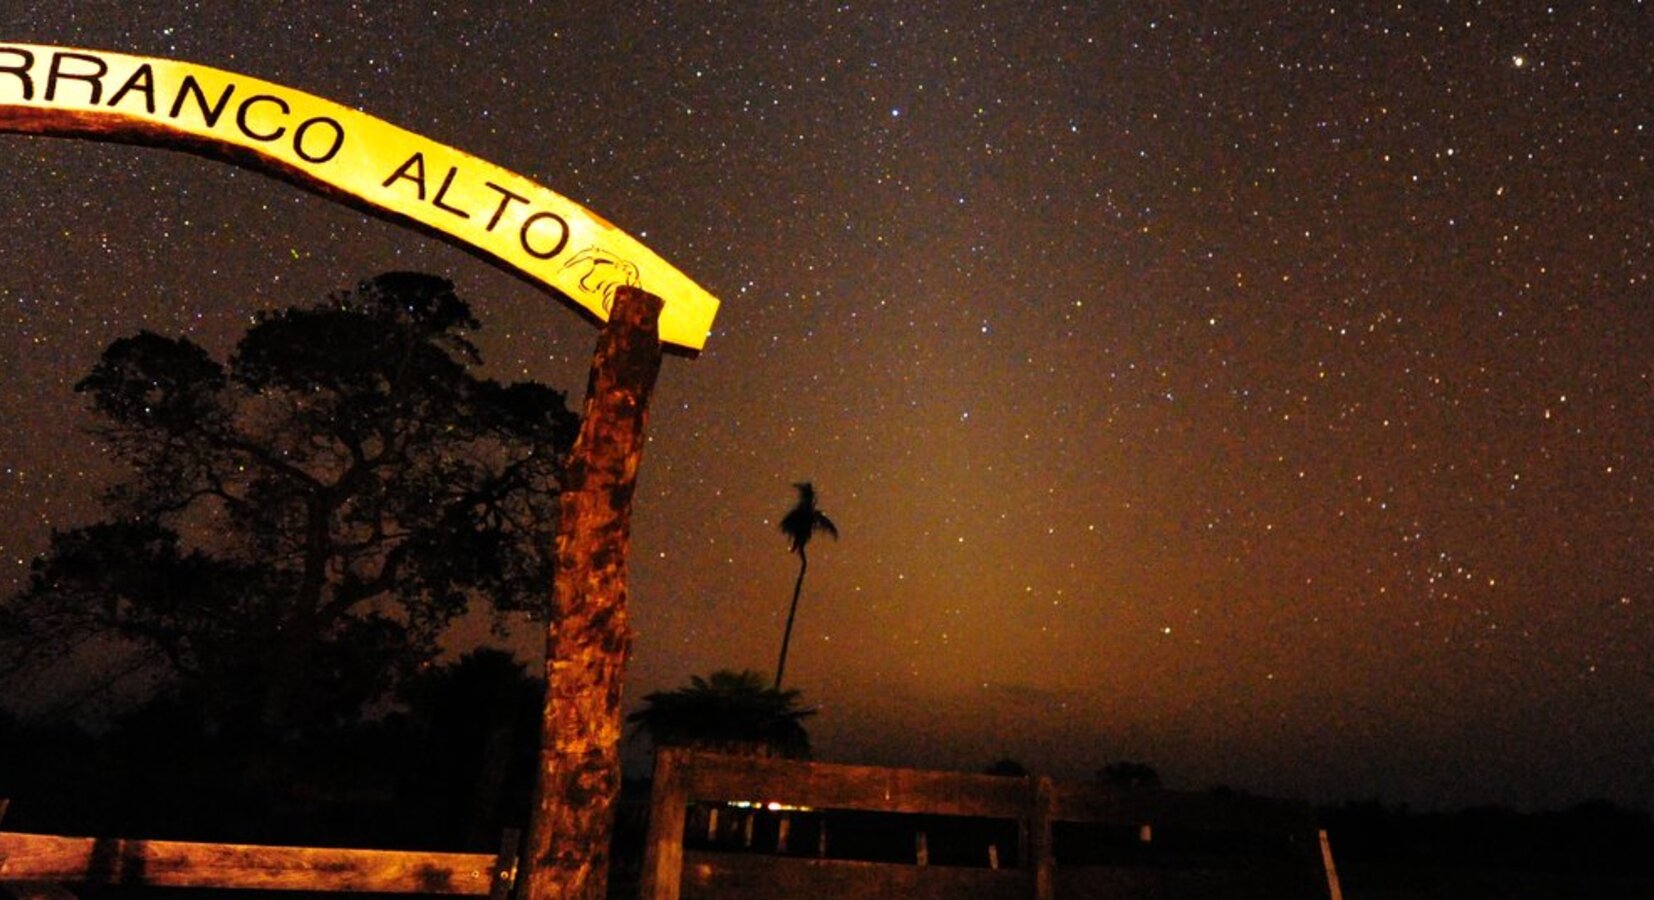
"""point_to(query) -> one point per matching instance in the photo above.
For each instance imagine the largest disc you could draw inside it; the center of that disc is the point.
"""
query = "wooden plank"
(116, 861)
(715, 776)
(544, 237)
(708, 876)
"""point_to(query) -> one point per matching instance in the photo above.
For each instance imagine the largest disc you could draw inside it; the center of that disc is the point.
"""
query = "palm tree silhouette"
(730, 712)
(799, 525)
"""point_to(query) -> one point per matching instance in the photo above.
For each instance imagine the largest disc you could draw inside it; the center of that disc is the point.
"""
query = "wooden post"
(1040, 858)
(1334, 890)
(588, 639)
(505, 867)
(663, 855)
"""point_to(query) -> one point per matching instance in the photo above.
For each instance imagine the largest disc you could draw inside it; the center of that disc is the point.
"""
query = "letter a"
(415, 165)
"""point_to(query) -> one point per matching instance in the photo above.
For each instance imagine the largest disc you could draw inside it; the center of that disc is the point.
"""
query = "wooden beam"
(544, 237)
(714, 776)
(754, 876)
(118, 861)
(588, 638)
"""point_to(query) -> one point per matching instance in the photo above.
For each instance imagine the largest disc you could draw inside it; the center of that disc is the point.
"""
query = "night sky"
(1265, 395)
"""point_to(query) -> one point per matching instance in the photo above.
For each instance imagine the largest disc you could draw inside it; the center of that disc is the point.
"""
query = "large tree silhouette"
(800, 525)
(302, 522)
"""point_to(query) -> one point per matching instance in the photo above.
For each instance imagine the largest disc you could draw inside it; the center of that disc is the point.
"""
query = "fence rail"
(40, 859)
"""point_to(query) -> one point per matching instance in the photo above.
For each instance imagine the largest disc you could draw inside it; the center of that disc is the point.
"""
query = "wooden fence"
(31, 865)
(762, 829)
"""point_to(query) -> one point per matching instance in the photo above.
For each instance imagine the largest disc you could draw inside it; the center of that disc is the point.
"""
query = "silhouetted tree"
(1007, 768)
(1599, 848)
(303, 521)
(730, 712)
(800, 524)
(475, 723)
(1129, 774)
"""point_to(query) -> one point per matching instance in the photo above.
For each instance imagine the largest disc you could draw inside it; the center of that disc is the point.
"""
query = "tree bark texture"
(588, 638)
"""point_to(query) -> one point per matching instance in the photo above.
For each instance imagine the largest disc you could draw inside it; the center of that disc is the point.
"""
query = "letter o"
(241, 117)
(562, 240)
(332, 150)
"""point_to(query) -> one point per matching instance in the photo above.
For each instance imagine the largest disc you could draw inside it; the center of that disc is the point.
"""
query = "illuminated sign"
(349, 156)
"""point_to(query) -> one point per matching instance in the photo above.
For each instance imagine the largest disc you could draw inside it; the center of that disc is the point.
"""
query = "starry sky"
(1260, 391)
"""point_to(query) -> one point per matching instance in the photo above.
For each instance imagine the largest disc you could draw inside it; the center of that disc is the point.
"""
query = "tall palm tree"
(799, 525)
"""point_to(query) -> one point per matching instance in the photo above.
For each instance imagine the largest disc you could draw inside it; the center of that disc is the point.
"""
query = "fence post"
(663, 854)
(588, 638)
(1040, 858)
(505, 866)
(1334, 890)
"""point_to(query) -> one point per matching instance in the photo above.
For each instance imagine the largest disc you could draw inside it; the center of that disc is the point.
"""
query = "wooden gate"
(764, 829)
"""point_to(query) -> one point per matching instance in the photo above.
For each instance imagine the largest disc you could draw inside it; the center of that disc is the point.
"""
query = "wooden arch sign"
(512, 222)
(352, 157)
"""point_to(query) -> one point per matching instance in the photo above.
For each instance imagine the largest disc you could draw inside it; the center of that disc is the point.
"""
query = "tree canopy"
(1129, 774)
(801, 523)
(730, 712)
(303, 521)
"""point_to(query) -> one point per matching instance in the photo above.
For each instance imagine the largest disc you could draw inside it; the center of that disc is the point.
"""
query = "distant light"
(1519, 61)
(771, 806)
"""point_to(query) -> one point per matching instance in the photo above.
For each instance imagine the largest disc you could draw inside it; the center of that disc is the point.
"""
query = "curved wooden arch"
(353, 158)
